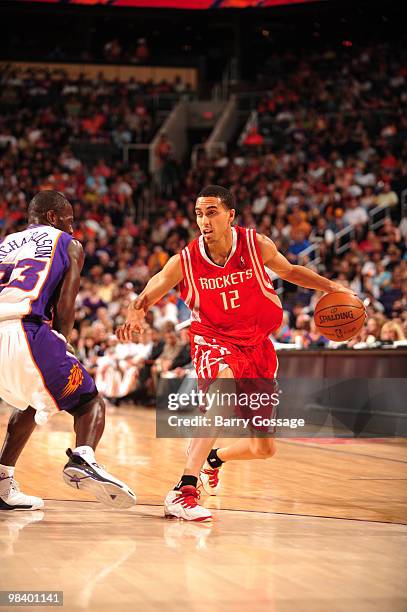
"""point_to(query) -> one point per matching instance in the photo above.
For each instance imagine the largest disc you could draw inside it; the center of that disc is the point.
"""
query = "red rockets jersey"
(235, 302)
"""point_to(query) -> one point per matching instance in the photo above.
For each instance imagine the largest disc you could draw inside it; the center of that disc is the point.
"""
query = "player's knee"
(266, 451)
(95, 407)
(263, 448)
(20, 417)
(100, 405)
(99, 408)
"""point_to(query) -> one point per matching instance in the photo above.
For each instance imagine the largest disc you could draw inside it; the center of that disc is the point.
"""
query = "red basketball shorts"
(249, 364)
(211, 356)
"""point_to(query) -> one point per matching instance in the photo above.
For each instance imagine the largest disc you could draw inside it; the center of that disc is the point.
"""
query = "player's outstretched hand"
(339, 287)
(134, 322)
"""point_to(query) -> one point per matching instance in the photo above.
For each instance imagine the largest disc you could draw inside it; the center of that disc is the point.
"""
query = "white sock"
(6, 471)
(86, 452)
(6, 474)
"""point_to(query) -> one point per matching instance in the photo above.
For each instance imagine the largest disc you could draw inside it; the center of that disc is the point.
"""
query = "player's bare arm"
(298, 275)
(64, 312)
(158, 286)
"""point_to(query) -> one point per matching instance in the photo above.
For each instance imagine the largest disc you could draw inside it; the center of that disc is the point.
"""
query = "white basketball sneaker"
(80, 474)
(183, 504)
(11, 498)
(209, 479)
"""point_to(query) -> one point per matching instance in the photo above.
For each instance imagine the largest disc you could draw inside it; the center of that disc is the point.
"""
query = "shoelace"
(188, 499)
(213, 476)
(96, 465)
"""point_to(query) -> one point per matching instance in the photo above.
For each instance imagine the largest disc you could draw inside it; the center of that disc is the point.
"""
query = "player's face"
(213, 218)
(63, 219)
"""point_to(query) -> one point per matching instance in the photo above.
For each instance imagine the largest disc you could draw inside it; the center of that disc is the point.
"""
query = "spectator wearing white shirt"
(117, 371)
(260, 202)
(387, 197)
(355, 214)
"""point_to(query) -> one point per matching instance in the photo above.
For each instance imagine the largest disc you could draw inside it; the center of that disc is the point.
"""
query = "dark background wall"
(208, 39)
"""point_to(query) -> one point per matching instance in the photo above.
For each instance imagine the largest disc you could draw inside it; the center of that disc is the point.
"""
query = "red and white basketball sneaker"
(183, 504)
(209, 479)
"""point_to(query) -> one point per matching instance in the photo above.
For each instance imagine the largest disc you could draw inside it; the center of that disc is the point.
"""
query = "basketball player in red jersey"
(234, 309)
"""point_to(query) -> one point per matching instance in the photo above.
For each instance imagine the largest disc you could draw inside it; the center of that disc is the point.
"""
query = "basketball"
(339, 316)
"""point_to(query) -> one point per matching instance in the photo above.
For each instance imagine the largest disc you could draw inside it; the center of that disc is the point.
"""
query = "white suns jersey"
(32, 264)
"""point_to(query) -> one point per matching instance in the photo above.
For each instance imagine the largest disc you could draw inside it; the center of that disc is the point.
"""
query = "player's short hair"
(216, 191)
(46, 200)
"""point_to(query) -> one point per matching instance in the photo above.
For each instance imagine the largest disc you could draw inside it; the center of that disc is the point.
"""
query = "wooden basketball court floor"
(319, 527)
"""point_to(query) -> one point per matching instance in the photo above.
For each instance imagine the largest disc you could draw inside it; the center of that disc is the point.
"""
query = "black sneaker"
(80, 474)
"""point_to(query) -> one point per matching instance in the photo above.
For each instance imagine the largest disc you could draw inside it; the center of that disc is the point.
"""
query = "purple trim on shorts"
(64, 376)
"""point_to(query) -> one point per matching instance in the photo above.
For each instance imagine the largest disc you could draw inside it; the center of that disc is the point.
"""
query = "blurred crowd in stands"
(329, 147)
(44, 110)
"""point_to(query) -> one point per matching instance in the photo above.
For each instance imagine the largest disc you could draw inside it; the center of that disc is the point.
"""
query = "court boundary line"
(299, 515)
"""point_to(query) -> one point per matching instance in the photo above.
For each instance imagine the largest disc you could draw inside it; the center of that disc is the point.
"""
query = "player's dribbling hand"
(339, 287)
(134, 322)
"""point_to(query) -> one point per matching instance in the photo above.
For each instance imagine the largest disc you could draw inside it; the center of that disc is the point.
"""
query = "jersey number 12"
(228, 301)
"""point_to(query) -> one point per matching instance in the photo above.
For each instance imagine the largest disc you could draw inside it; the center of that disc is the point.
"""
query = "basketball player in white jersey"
(39, 279)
